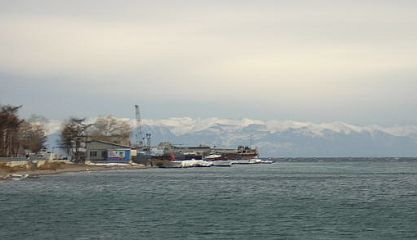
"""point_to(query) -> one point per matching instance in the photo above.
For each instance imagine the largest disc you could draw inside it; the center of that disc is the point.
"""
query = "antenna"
(139, 137)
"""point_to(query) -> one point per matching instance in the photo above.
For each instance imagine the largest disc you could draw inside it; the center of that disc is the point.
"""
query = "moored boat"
(221, 163)
(18, 176)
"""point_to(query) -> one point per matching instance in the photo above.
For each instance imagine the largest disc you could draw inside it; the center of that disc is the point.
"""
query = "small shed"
(102, 151)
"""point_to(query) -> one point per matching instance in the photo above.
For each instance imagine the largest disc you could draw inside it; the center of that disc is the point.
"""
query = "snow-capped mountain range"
(280, 138)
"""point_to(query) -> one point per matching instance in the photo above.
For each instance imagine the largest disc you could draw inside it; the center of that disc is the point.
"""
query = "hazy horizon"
(276, 138)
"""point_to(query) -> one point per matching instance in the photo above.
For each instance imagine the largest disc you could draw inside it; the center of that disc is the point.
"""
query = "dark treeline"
(18, 136)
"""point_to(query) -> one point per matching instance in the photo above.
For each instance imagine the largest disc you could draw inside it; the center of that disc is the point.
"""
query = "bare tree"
(111, 129)
(74, 137)
(9, 130)
(32, 136)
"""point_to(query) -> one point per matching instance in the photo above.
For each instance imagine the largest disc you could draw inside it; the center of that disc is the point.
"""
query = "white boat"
(220, 163)
(195, 163)
(17, 177)
(252, 161)
(186, 164)
(241, 162)
(213, 157)
(260, 161)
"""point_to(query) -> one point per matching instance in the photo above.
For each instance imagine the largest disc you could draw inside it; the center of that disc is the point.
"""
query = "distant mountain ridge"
(284, 138)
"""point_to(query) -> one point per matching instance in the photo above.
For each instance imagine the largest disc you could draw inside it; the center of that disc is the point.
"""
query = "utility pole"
(148, 142)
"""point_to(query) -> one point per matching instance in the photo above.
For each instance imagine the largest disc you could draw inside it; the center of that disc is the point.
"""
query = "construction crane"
(139, 136)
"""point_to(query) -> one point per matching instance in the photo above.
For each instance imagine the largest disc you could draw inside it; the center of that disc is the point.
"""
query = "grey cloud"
(302, 60)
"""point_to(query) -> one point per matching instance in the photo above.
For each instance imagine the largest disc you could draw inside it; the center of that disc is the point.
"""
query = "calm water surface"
(304, 200)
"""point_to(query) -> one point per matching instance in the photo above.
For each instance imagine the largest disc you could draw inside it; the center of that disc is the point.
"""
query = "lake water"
(286, 200)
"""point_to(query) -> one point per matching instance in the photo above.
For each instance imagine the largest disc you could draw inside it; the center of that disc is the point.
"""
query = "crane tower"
(139, 137)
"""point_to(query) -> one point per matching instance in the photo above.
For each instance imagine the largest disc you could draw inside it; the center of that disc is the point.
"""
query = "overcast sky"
(352, 61)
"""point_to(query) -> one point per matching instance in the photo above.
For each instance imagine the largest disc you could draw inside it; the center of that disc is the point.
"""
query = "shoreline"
(65, 168)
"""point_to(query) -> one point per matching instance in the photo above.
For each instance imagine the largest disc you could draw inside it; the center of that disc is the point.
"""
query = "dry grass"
(30, 167)
(8, 169)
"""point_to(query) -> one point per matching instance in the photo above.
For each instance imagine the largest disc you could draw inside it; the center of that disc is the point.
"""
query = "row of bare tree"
(18, 136)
